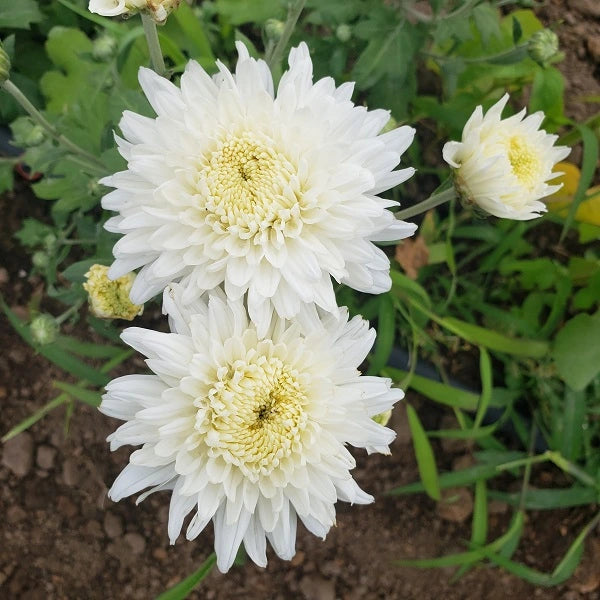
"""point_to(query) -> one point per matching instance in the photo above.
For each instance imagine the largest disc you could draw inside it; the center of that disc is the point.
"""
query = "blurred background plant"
(496, 322)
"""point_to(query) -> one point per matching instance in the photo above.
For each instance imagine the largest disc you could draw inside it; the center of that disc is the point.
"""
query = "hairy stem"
(431, 202)
(158, 62)
(36, 115)
(274, 57)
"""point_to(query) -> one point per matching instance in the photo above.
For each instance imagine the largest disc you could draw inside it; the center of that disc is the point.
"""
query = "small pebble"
(113, 525)
(136, 542)
(45, 457)
(17, 454)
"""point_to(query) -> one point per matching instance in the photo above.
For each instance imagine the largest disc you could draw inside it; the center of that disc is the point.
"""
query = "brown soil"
(62, 538)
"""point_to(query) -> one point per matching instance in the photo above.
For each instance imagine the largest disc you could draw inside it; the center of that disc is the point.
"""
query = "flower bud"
(343, 32)
(104, 47)
(49, 242)
(39, 260)
(109, 299)
(274, 29)
(44, 329)
(383, 418)
(4, 65)
(543, 47)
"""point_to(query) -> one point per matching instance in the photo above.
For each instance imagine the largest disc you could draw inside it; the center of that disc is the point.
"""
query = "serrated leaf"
(33, 232)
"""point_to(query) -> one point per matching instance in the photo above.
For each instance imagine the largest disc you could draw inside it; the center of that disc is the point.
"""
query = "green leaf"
(79, 393)
(183, 588)
(563, 570)
(547, 93)
(20, 14)
(453, 479)
(517, 31)
(87, 349)
(588, 170)
(485, 371)
(496, 341)
(238, 12)
(33, 232)
(487, 22)
(386, 328)
(576, 351)
(440, 392)
(55, 354)
(480, 514)
(6, 175)
(550, 499)
(465, 558)
(35, 417)
(424, 455)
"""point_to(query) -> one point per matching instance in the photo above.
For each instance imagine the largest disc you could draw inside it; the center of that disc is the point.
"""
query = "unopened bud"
(49, 242)
(274, 29)
(343, 32)
(109, 299)
(543, 47)
(383, 418)
(44, 329)
(39, 260)
(104, 47)
(4, 64)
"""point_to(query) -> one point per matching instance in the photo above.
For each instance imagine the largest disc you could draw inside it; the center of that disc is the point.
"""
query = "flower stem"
(431, 202)
(158, 62)
(274, 57)
(36, 115)
(70, 311)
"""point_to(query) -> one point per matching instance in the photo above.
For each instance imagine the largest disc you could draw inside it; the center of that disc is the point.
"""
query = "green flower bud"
(94, 188)
(44, 329)
(543, 47)
(390, 125)
(343, 32)
(4, 65)
(39, 260)
(383, 418)
(104, 47)
(49, 242)
(274, 29)
(35, 136)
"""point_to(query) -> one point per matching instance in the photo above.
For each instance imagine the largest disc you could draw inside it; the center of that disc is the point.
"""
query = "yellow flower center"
(524, 160)
(255, 413)
(251, 190)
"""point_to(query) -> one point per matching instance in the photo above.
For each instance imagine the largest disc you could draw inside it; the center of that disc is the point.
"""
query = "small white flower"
(248, 431)
(269, 195)
(158, 9)
(113, 8)
(503, 165)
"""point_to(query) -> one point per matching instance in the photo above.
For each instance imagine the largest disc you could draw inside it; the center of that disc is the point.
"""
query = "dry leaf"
(412, 254)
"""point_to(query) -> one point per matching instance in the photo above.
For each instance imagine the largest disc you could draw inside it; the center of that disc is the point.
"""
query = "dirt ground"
(61, 538)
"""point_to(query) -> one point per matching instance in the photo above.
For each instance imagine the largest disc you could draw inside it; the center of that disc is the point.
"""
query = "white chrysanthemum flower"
(268, 195)
(248, 431)
(158, 9)
(502, 165)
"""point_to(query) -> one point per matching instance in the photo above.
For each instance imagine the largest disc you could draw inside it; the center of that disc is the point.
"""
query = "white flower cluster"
(242, 205)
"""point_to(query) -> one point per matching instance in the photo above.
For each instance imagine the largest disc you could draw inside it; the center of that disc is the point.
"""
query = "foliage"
(528, 308)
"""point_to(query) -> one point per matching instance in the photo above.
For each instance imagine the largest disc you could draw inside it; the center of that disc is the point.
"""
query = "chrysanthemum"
(503, 165)
(158, 9)
(248, 431)
(267, 195)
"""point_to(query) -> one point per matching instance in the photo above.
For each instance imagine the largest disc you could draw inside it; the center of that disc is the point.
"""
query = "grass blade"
(35, 417)
(183, 588)
(79, 393)
(424, 455)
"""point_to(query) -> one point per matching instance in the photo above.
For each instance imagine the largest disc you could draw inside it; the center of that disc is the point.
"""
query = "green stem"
(274, 58)
(158, 62)
(36, 115)
(70, 311)
(431, 202)
(516, 51)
